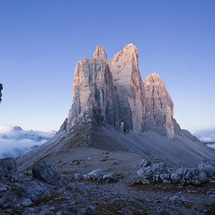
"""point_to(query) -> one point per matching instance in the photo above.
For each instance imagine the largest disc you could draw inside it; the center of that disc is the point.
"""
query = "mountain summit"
(114, 110)
(114, 93)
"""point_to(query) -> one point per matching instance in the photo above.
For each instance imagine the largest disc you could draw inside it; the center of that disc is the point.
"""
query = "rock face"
(114, 110)
(159, 107)
(8, 168)
(113, 92)
(94, 98)
(1, 88)
(129, 88)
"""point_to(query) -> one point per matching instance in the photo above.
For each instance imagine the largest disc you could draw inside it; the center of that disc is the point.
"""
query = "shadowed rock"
(47, 173)
(129, 88)
(94, 98)
(159, 107)
(114, 93)
(34, 190)
(8, 168)
(159, 173)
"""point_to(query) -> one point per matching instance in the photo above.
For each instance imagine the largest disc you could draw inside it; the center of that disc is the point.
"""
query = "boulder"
(145, 181)
(26, 202)
(203, 177)
(195, 182)
(190, 173)
(8, 168)
(156, 178)
(145, 163)
(158, 168)
(181, 171)
(110, 177)
(208, 167)
(78, 176)
(95, 174)
(185, 176)
(175, 178)
(34, 190)
(165, 177)
(47, 173)
(145, 172)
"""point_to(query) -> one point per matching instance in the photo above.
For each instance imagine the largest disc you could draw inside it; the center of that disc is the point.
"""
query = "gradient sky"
(41, 42)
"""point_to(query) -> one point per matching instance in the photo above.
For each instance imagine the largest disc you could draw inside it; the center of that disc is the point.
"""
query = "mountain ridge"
(114, 110)
(113, 92)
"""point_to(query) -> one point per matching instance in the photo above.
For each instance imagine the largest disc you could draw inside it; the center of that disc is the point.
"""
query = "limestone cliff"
(1, 88)
(159, 107)
(94, 98)
(113, 93)
(114, 110)
(129, 87)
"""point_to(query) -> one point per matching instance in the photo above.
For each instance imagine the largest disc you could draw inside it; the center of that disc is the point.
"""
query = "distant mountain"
(14, 141)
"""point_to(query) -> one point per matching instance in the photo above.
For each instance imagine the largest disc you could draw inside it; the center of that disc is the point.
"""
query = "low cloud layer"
(207, 135)
(15, 142)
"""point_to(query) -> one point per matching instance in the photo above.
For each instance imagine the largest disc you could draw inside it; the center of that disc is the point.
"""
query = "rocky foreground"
(77, 186)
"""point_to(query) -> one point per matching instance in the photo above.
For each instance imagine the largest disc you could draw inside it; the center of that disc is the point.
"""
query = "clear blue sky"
(41, 42)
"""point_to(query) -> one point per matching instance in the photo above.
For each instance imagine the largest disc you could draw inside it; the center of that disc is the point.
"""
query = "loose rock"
(47, 173)
(8, 168)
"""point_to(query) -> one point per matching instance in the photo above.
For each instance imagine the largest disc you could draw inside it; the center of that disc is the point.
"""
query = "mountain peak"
(159, 106)
(114, 110)
(131, 49)
(130, 46)
(100, 53)
(154, 79)
(114, 93)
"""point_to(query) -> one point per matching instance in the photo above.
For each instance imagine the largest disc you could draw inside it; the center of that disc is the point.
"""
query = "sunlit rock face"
(94, 98)
(113, 92)
(159, 107)
(1, 88)
(129, 87)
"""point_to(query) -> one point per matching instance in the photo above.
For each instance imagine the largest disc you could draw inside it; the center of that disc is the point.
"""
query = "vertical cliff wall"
(113, 92)
(94, 98)
(129, 87)
(159, 107)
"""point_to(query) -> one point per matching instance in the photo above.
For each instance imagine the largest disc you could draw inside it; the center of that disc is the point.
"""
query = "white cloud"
(207, 135)
(211, 146)
(15, 142)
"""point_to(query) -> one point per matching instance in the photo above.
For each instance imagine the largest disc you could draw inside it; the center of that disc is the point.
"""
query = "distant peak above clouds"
(8, 129)
(14, 141)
